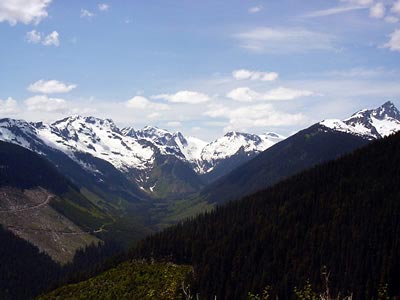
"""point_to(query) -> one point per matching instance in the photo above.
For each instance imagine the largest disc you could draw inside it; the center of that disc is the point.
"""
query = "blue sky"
(200, 67)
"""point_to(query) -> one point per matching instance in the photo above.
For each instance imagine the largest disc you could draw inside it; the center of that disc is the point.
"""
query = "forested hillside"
(24, 271)
(343, 215)
(301, 151)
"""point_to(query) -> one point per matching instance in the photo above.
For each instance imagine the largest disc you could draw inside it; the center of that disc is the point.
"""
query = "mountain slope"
(24, 270)
(298, 152)
(343, 214)
(38, 204)
(316, 144)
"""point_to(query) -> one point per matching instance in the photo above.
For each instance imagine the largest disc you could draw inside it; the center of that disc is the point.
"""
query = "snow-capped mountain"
(134, 152)
(231, 144)
(369, 123)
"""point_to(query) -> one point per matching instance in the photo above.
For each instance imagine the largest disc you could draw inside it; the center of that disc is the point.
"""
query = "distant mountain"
(369, 123)
(321, 142)
(152, 159)
(230, 151)
(341, 218)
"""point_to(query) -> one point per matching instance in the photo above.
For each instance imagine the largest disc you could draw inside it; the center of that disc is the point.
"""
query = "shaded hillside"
(40, 205)
(24, 271)
(301, 151)
(25, 169)
(344, 215)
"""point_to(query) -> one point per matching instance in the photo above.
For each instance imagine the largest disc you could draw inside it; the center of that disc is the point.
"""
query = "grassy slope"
(130, 280)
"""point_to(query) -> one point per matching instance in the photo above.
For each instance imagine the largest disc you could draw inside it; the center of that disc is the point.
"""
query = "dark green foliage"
(344, 215)
(297, 153)
(92, 260)
(24, 271)
(130, 280)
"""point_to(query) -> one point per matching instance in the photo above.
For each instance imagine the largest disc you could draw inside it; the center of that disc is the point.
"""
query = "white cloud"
(261, 115)
(255, 9)
(245, 94)
(8, 106)
(23, 11)
(359, 2)
(377, 11)
(154, 115)
(36, 37)
(189, 97)
(284, 40)
(333, 11)
(174, 124)
(103, 7)
(396, 7)
(50, 87)
(141, 102)
(43, 103)
(52, 39)
(391, 19)
(394, 41)
(86, 13)
(33, 37)
(243, 74)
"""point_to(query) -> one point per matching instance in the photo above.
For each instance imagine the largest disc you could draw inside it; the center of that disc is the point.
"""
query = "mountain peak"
(388, 109)
(369, 123)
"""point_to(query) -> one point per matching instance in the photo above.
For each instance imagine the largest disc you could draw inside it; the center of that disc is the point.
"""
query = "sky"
(200, 67)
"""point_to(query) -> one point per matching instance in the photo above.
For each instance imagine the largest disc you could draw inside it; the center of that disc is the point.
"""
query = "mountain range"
(137, 153)
(323, 141)
(130, 183)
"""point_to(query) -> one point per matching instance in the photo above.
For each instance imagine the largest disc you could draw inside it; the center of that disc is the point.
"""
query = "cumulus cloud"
(36, 37)
(8, 106)
(245, 94)
(243, 74)
(284, 40)
(50, 87)
(394, 41)
(189, 97)
(23, 11)
(396, 7)
(86, 13)
(261, 115)
(377, 11)
(140, 102)
(33, 37)
(103, 7)
(42, 103)
(52, 39)
(255, 9)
